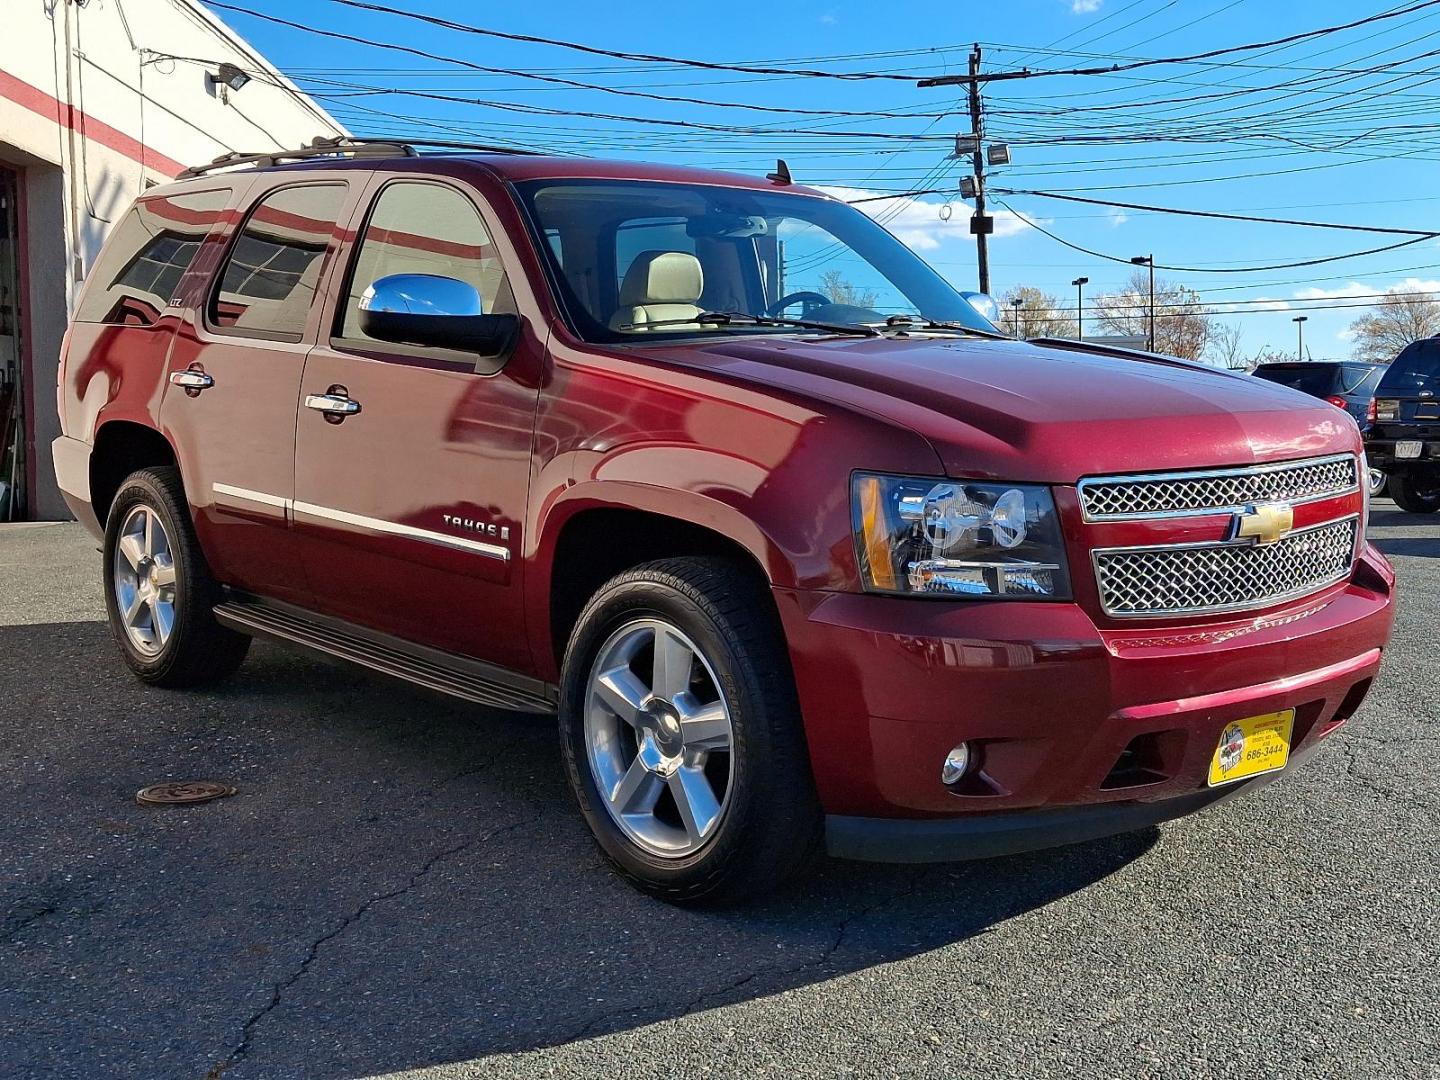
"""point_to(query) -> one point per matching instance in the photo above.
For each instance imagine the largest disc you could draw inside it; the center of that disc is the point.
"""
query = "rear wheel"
(158, 589)
(682, 736)
(1416, 495)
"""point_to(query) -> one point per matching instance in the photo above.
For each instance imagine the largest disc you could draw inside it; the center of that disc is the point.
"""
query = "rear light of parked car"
(1371, 412)
(1336, 400)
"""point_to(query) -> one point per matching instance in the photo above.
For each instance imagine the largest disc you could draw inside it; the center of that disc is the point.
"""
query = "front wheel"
(158, 590)
(1415, 495)
(1377, 481)
(682, 736)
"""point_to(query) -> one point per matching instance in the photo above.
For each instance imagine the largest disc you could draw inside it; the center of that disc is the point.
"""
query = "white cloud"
(1361, 290)
(1260, 303)
(828, 19)
(1085, 7)
(917, 222)
(1116, 217)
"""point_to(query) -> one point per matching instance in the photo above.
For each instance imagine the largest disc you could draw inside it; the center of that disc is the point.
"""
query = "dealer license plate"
(1249, 747)
(1408, 448)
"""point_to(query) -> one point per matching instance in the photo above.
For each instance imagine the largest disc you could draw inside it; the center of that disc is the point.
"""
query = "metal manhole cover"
(182, 791)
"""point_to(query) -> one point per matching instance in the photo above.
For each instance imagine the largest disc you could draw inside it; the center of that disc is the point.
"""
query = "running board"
(447, 673)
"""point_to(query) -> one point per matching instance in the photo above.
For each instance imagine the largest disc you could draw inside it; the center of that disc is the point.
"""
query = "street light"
(1016, 304)
(1149, 260)
(1300, 321)
(1080, 283)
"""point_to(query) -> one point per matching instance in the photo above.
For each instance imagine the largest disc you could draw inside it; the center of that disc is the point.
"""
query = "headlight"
(1387, 409)
(958, 538)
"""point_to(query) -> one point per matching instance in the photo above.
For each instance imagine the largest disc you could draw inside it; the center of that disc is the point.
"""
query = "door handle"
(335, 405)
(191, 380)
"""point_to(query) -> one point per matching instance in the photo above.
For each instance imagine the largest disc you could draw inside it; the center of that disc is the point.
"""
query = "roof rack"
(318, 147)
(343, 145)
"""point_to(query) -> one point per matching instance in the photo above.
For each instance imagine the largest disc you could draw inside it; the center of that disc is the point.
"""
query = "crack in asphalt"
(16, 923)
(1352, 772)
(242, 1048)
(842, 929)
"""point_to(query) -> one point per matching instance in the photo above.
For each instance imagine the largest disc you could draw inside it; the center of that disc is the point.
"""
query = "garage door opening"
(12, 419)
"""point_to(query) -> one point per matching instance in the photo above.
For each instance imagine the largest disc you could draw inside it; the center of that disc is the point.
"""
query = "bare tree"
(840, 291)
(1039, 315)
(1182, 325)
(1223, 347)
(1387, 328)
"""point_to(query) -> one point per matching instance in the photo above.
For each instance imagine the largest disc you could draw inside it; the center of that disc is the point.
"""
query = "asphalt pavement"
(402, 887)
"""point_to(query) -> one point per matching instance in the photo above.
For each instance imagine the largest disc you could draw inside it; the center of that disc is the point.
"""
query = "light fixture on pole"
(1017, 303)
(1300, 321)
(1080, 283)
(1149, 260)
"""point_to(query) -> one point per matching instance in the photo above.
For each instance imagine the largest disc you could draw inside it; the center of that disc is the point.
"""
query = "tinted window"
(140, 269)
(1316, 379)
(274, 267)
(1355, 378)
(426, 229)
(1416, 369)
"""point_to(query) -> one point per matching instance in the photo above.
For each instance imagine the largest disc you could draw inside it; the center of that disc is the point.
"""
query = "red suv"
(800, 548)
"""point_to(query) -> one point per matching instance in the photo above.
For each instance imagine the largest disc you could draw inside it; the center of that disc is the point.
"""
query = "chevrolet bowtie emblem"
(1263, 522)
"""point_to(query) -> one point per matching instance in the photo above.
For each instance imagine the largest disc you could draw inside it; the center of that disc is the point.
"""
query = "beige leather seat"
(659, 286)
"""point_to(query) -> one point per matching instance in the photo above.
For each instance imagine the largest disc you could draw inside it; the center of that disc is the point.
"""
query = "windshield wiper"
(725, 318)
(911, 322)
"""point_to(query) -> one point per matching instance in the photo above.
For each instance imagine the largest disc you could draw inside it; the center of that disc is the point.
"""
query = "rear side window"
(1414, 371)
(422, 228)
(140, 269)
(271, 275)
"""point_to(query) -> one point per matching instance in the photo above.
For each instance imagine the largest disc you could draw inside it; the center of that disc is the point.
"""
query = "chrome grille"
(1218, 490)
(1191, 579)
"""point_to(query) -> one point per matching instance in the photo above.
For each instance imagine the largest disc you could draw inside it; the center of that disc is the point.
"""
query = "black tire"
(198, 650)
(771, 823)
(1415, 496)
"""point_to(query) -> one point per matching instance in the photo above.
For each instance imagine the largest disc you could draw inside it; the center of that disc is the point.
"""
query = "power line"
(1212, 269)
(594, 50)
(1216, 214)
(997, 76)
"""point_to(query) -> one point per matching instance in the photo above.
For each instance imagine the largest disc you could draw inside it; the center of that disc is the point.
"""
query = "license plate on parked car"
(1408, 448)
(1249, 747)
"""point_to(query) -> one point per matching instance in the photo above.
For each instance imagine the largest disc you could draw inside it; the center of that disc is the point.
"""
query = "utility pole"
(1080, 283)
(1149, 260)
(1300, 321)
(981, 224)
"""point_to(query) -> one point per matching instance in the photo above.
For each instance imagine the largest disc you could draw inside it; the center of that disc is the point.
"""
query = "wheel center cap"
(663, 724)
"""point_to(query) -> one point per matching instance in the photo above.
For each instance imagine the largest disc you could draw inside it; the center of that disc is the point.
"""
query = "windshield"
(1414, 371)
(636, 260)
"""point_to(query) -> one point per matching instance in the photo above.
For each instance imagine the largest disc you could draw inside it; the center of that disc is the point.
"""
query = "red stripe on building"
(67, 116)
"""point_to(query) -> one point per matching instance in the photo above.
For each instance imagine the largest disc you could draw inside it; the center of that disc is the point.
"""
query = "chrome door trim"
(393, 528)
(261, 498)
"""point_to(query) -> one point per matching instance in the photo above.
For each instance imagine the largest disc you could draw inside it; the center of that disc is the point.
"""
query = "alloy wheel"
(143, 577)
(659, 738)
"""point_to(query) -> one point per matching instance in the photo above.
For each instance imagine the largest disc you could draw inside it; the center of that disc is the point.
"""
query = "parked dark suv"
(1404, 440)
(1346, 384)
(604, 440)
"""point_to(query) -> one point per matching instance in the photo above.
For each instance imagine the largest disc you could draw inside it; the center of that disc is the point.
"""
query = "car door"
(409, 509)
(235, 381)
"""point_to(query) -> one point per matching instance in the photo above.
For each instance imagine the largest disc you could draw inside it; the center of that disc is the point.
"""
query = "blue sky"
(1334, 141)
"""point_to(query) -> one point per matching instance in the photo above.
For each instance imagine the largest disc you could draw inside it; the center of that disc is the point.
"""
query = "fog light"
(956, 764)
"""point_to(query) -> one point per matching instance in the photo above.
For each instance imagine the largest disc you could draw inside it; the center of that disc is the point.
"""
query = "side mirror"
(985, 304)
(427, 309)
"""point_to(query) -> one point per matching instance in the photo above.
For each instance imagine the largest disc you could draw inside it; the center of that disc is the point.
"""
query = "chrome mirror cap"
(422, 294)
(984, 303)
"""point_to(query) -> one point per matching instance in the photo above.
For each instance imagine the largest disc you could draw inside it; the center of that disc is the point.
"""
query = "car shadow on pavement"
(400, 882)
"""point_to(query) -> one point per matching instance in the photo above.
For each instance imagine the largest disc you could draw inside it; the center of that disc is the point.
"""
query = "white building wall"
(99, 100)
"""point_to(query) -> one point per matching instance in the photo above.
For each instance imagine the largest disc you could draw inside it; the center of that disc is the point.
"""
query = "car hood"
(1024, 411)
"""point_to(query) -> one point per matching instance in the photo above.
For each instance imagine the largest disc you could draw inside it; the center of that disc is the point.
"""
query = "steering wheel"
(811, 300)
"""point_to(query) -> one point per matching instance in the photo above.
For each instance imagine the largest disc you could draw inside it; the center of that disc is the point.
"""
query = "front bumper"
(1080, 731)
